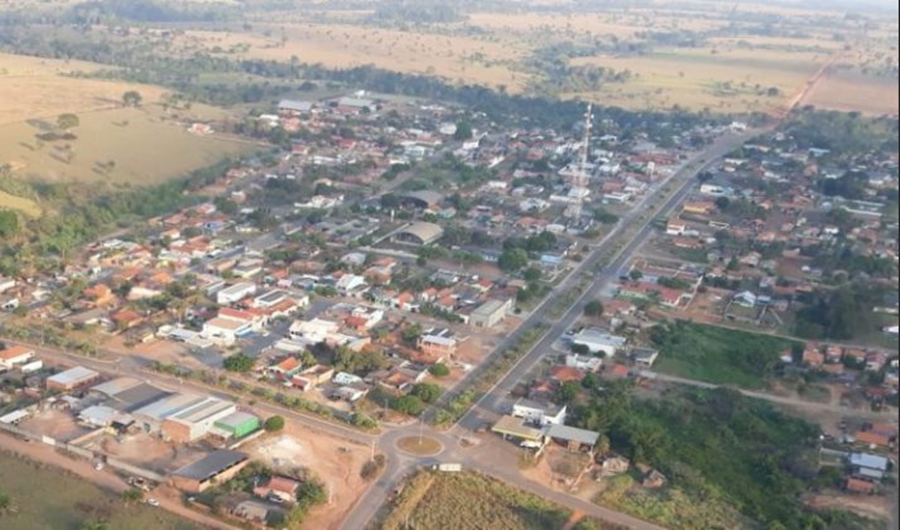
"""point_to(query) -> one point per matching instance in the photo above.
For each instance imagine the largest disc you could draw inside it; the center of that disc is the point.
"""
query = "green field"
(718, 355)
(45, 498)
(434, 501)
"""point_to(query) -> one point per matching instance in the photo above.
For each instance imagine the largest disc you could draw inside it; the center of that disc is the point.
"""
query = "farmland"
(67, 502)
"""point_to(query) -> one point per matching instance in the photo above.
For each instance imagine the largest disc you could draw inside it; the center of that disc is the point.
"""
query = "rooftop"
(572, 434)
(212, 465)
(73, 376)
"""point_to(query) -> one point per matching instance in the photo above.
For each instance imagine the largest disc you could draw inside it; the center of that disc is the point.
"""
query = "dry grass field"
(456, 58)
(849, 90)
(722, 80)
(146, 150)
(146, 145)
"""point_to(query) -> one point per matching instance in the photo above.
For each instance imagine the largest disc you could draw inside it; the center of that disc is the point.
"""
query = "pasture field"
(26, 206)
(851, 90)
(46, 498)
(454, 57)
(119, 146)
(728, 80)
(36, 88)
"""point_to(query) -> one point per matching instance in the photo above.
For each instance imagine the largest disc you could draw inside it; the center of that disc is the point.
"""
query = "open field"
(35, 88)
(133, 139)
(67, 502)
(26, 206)
(344, 46)
(849, 90)
(720, 356)
(729, 80)
(436, 501)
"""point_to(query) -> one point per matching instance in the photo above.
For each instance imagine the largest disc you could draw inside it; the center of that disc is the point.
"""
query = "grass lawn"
(436, 501)
(718, 355)
(45, 498)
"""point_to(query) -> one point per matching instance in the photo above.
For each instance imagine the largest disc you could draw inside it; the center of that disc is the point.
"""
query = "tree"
(412, 334)
(439, 370)
(6, 504)
(533, 275)
(464, 131)
(590, 381)
(636, 275)
(132, 98)
(68, 121)
(409, 405)
(513, 260)
(594, 309)
(274, 424)
(567, 392)
(239, 363)
(427, 392)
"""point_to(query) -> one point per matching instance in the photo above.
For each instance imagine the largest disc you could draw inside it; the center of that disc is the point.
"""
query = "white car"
(153, 502)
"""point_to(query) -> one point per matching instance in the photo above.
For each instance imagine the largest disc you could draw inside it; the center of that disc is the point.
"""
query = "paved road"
(494, 401)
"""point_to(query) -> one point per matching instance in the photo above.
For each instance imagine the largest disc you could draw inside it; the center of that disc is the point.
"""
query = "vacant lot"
(119, 146)
(719, 356)
(48, 499)
(469, 500)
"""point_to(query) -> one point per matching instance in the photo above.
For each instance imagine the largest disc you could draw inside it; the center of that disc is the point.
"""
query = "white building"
(598, 341)
(542, 414)
(235, 293)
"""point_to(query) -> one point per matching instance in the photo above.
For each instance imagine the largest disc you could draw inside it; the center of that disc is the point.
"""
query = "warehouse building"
(491, 313)
(74, 379)
(237, 426)
(215, 468)
(195, 422)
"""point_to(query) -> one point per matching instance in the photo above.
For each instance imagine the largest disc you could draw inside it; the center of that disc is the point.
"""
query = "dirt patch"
(60, 426)
(877, 507)
(420, 446)
(337, 462)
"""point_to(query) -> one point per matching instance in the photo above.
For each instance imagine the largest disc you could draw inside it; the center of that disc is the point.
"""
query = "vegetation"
(725, 456)
(275, 424)
(435, 501)
(439, 370)
(842, 314)
(240, 363)
(718, 355)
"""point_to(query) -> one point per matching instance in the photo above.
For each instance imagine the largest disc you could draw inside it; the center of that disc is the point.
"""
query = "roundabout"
(420, 446)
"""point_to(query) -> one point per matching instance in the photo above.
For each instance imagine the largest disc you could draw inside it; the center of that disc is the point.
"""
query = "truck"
(448, 468)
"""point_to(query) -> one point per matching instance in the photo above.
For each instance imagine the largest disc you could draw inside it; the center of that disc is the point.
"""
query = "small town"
(399, 275)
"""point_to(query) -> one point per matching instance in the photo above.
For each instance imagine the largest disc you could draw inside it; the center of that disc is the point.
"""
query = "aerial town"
(395, 306)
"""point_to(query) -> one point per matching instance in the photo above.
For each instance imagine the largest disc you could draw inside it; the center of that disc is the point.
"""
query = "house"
(541, 414)
(869, 467)
(584, 363)
(215, 468)
(491, 313)
(645, 357)
(878, 436)
(438, 346)
(746, 299)
(654, 480)
(74, 379)
(576, 440)
(813, 357)
(717, 188)
(598, 341)
(224, 331)
(15, 355)
(281, 488)
(675, 228)
(566, 374)
(235, 293)
(286, 369)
